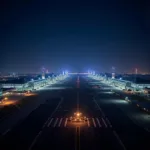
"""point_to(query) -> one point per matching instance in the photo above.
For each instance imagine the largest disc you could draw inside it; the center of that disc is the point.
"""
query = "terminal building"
(122, 84)
(22, 84)
(128, 83)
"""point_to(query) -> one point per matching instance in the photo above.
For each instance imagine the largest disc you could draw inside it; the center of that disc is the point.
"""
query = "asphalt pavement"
(48, 126)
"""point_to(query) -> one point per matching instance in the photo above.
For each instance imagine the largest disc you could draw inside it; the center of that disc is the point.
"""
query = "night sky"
(74, 35)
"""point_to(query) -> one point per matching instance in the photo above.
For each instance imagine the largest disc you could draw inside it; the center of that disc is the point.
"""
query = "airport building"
(139, 85)
(122, 84)
(23, 84)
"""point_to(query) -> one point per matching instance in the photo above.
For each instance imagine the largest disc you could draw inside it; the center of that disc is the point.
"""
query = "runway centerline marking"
(94, 122)
(65, 122)
(77, 138)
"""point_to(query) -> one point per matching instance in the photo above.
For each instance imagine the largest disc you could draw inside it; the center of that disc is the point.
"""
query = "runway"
(48, 126)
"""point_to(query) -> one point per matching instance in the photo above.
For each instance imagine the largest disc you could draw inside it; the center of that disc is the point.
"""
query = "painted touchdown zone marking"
(98, 122)
(55, 122)
(88, 122)
(50, 122)
(94, 122)
(60, 122)
(65, 122)
(104, 122)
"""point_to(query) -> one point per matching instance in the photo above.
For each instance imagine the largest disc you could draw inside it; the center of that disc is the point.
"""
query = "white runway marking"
(119, 140)
(109, 122)
(60, 122)
(94, 122)
(6, 132)
(88, 122)
(55, 122)
(50, 122)
(65, 122)
(104, 122)
(34, 141)
(98, 122)
(98, 107)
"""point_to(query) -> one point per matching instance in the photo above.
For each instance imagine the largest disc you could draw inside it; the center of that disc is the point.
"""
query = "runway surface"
(48, 126)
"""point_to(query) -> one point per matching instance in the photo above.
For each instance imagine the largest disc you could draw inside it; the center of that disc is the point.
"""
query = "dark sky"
(74, 35)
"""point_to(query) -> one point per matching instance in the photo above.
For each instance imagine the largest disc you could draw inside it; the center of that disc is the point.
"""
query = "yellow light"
(6, 98)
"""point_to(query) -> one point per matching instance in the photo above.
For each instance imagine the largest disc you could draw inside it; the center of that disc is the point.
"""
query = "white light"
(66, 72)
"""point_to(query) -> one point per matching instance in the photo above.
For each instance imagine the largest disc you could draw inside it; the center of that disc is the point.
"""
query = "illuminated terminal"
(30, 83)
(130, 83)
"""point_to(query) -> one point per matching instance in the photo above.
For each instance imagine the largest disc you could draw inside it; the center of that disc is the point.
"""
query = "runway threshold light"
(78, 117)
(6, 98)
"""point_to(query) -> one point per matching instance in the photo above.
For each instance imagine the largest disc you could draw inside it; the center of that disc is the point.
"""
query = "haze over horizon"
(74, 35)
